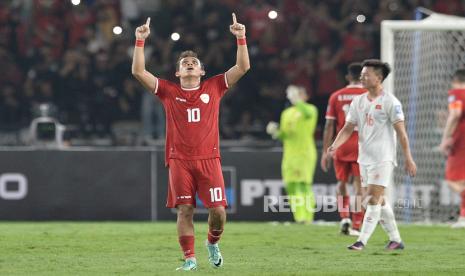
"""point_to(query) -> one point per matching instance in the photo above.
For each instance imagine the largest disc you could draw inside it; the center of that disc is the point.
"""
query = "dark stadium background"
(54, 52)
(65, 63)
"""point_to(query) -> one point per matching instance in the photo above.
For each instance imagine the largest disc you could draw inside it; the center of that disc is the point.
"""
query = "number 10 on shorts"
(216, 194)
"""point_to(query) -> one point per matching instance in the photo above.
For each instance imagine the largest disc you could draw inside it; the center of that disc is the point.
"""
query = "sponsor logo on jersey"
(398, 109)
(205, 98)
(184, 197)
(346, 97)
(181, 100)
(378, 106)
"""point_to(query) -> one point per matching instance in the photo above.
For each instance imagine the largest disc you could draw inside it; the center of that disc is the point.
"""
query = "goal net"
(423, 55)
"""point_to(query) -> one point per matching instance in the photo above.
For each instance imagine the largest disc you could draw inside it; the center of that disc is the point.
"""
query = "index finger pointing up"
(147, 23)
(234, 18)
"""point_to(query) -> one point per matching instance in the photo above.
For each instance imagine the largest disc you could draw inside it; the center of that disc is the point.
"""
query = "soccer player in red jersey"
(192, 138)
(453, 142)
(345, 161)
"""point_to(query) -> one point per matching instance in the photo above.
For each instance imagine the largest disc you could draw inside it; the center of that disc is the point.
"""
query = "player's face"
(190, 67)
(456, 84)
(369, 78)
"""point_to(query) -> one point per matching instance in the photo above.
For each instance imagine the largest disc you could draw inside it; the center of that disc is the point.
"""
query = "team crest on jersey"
(205, 98)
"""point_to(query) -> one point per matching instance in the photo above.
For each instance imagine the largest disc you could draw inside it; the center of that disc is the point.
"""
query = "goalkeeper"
(296, 130)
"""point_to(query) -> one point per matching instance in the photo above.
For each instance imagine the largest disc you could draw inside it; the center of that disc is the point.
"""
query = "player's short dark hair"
(188, 53)
(354, 69)
(380, 67)
(459, 75)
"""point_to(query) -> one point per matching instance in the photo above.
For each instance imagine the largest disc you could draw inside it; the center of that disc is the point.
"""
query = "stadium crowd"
(68, 56)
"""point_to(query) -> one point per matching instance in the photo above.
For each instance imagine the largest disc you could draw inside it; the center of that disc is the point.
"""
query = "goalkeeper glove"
(272, 129)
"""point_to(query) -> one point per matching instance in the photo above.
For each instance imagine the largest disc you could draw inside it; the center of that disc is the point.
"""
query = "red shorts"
(344, 169)
(455, 169)
(190, 177)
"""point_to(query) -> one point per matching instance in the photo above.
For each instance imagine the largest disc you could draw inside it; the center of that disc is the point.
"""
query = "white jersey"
(374, 118)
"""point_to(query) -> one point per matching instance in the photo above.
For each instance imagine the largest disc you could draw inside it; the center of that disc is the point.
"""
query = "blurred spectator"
(10, 106)
(68, 56)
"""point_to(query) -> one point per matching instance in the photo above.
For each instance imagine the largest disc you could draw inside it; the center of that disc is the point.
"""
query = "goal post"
(423, 55)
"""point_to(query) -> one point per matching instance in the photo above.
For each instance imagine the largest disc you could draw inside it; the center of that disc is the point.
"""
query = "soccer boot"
(189, 264)
(357, 246)
(392, 245)
(354, 232)
(345, 225)
(214, 255)
(459, 224)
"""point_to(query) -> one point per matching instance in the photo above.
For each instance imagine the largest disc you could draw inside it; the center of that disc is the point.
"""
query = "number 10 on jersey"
(193, 115)
(216, 194)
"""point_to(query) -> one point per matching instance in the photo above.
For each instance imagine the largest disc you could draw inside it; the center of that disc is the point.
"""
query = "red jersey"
(192, 118)
(457, 100)
(337, 109)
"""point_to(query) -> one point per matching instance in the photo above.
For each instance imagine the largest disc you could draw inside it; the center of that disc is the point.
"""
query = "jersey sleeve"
(161, 88)
(395, 111)
(454, 101)
(331, 108)
(352, 115)
(219, 83)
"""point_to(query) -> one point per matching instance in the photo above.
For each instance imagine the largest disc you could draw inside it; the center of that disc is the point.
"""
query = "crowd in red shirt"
(65, 55)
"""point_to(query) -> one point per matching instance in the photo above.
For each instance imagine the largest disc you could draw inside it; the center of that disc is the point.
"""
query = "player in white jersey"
(379, 117)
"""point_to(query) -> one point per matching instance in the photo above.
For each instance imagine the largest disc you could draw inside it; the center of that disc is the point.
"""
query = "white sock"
(370, 220)
(388, 222)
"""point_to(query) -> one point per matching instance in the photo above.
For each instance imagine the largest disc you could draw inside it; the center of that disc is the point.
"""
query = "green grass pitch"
(110, 248)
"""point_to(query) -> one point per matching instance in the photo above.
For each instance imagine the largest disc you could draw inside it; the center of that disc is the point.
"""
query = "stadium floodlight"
(361, 18)
(423, 55)
(117, 30)
(75, 2)
(272, 14)
(175, 36)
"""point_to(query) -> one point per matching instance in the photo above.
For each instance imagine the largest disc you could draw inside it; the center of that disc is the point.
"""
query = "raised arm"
(242, 56)
(341, 137)
(148, 80)
(410, 166)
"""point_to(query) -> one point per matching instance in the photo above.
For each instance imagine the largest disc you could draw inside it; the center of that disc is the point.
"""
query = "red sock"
(187, 246)
(462, 206)
(214, 235)
(357, 219)
(343, 205)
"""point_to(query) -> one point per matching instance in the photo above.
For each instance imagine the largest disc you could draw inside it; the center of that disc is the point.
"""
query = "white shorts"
(377, 174)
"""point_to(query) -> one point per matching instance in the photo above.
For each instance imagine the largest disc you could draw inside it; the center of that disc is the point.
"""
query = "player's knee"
(185, 211)
(374, 199)
(217, 212)
(342, 187)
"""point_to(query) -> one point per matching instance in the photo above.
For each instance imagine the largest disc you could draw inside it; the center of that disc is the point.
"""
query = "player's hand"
(142, 32)
(325, 162)
(331, 151)
(446, 146)
(237, 29)
(272, 129)
(410, 167)
(292, 94)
